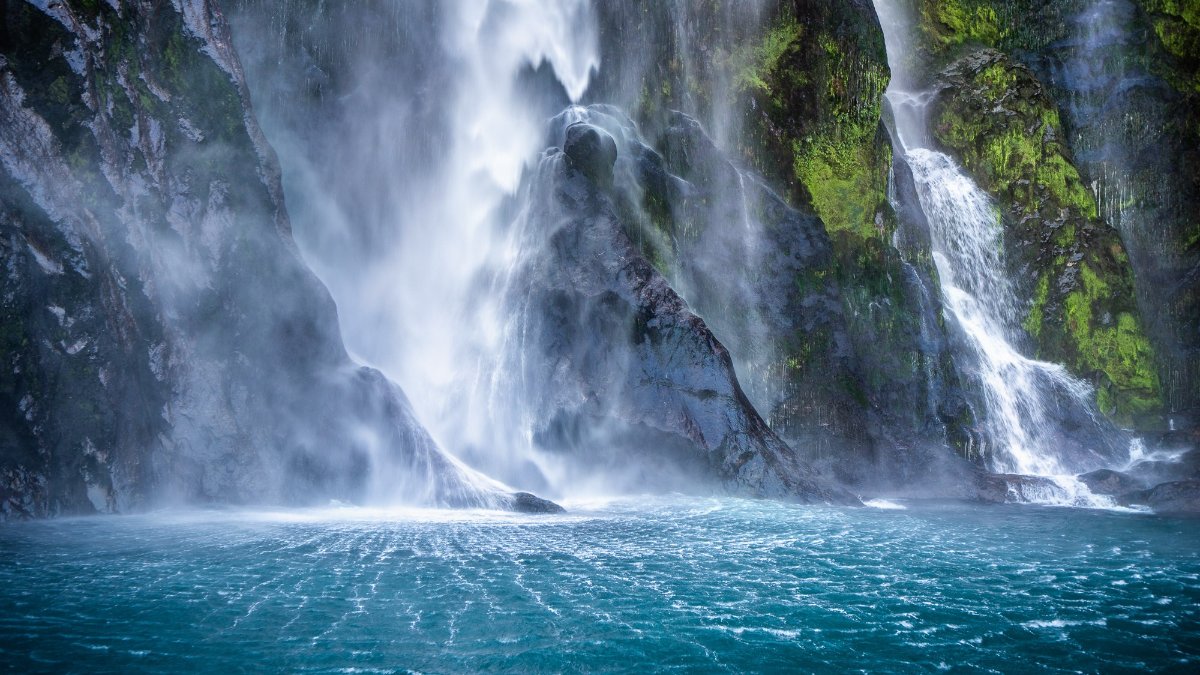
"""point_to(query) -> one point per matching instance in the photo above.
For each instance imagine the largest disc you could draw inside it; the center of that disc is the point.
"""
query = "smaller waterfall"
(1024, 401)
(1018, 391)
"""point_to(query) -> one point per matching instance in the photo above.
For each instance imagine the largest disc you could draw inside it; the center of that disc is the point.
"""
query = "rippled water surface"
(673, 583)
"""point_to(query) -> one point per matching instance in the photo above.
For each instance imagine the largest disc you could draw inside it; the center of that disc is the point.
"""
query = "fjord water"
(706, 584)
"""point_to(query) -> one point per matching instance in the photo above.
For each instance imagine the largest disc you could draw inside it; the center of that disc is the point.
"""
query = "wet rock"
(1177, 497)
(1005, 488)
(624, 379)
(523, 502)
(592, 151)
(1109, 482)
(1167, 460)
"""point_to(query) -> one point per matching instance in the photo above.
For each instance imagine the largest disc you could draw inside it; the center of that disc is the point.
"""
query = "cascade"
(1023, 399)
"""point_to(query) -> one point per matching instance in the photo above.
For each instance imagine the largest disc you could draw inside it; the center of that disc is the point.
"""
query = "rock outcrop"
(1110, 482)
(1174, 498)
(856, 364)
(623, 376)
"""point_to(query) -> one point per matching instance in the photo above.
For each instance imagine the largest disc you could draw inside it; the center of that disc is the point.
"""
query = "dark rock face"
(848, 355)
(162, 340)
(1169, 459)
(1177, 497)
(760, 272)
(766, 279)
(1109, 482)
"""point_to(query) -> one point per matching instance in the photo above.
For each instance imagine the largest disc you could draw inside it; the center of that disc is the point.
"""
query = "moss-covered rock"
(999, 120)
(820, 104)
(1177, 26)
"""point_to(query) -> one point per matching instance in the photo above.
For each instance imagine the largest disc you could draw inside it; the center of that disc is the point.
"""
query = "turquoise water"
(713, 585)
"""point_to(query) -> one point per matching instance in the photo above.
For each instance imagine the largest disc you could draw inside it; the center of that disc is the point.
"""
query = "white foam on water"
(884, 504)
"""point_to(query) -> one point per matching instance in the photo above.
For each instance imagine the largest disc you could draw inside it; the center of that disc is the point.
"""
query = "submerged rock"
(523, 502)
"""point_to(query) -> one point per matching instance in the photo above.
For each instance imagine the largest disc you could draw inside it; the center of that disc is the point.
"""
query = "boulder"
(1109, 482)
(592, 151)
(524, 502)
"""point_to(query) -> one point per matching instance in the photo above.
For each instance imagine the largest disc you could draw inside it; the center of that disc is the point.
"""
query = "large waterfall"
(432, 219)
(398, 195)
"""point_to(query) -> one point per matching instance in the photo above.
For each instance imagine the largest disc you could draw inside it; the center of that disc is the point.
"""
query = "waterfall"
(1023, 399)
(398, 191)
(1019, 392)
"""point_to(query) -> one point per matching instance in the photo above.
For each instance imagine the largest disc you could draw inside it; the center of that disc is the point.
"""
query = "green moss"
(955, 22)
(1037, 313)
(760, 62)
(1177, 25)
(841, 181)
(1120, 351)
(840, 165)
(1010, 155)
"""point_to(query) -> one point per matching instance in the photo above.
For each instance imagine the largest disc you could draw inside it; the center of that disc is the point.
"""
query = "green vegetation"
(1037, 312)
(1119, 350)
(841, 164)
(761, 61)
(1177, 25)
(1014, 154)
(958, 21)
(838, 174)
